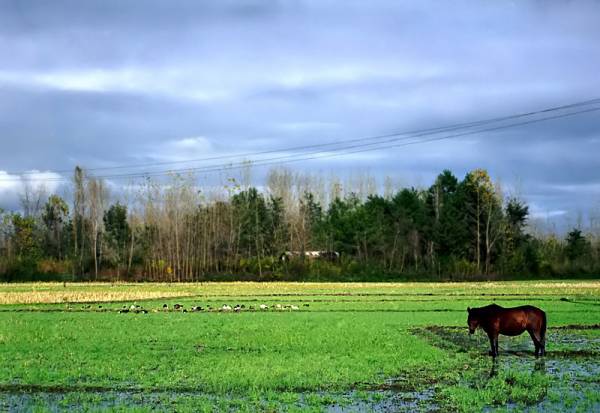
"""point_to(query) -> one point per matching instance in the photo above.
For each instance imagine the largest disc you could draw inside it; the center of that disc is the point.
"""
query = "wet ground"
(571, 364)
(354, 401)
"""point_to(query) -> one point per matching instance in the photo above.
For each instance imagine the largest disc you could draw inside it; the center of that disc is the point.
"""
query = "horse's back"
(534, 317)
(530, 310)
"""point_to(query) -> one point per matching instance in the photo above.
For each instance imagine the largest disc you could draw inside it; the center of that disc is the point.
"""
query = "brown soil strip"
(577, 327)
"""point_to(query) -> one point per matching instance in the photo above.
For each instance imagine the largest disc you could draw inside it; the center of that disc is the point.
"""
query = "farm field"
(333, 347)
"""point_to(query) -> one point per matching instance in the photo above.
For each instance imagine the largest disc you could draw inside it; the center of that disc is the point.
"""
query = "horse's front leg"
(493, 344)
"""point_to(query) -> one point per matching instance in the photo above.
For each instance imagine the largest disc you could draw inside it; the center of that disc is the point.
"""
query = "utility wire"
(409, 134)
(359, 148)
(276, 161)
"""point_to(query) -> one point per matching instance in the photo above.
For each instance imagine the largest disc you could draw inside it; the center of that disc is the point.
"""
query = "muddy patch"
(387, 401)
(353, 401)
(570, 367)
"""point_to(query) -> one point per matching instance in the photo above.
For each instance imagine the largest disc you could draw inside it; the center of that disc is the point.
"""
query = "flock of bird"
(225, 308)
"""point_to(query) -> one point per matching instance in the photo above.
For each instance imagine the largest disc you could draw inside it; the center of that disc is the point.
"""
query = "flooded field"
(570, 370)
(355, 401)
(322, 348)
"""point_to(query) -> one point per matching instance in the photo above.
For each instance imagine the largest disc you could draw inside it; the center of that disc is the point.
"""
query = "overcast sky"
(119, 82)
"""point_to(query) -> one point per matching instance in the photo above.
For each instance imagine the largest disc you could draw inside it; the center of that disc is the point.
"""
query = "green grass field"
(347, 347)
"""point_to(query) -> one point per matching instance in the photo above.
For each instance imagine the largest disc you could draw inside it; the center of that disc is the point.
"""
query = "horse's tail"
(543, 329)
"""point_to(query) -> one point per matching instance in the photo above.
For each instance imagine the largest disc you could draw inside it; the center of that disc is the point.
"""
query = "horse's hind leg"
(493, 344)
(537, 342)
(542, 334)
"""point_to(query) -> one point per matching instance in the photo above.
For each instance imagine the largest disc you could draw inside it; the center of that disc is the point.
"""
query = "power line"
(275, 161)
(333, 145)
(365, 147)
(359, 148)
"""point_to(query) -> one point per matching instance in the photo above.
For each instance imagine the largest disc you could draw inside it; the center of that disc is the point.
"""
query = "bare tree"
(97, 198)
(79, 209)
(32, 198)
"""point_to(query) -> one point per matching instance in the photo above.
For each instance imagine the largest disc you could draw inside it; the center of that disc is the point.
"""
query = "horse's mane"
(483, 311)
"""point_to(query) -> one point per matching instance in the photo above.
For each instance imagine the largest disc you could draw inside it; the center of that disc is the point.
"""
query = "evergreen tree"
(117, 233)
(54, 216)
(577, 245)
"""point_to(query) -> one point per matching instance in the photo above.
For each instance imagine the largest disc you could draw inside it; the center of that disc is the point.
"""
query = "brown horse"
(495, 320)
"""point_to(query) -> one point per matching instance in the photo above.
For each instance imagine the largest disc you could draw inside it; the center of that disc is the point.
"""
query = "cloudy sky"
(112, 83)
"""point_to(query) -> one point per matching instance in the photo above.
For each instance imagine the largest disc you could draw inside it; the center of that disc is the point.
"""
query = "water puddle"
(378, 401)
(571, 363)
(387, 401)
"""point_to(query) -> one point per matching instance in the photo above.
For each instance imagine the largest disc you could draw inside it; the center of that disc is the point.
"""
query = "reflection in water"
(538, 367)
(494, 369)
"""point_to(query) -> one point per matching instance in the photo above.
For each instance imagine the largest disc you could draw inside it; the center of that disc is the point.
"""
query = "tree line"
(454, 229)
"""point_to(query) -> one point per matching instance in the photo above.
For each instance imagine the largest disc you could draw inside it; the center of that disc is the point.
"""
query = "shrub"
(51, 266)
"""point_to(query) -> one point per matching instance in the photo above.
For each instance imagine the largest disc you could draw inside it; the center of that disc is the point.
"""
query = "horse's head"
(472, 320)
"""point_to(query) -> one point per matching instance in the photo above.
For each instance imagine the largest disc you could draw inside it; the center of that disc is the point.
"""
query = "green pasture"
(348, 347)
